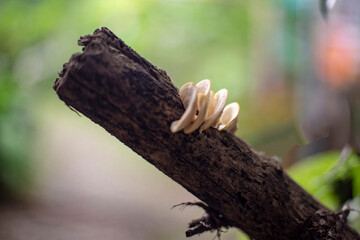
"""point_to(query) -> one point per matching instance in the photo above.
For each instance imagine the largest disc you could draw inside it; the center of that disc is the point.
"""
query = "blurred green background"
(71, 179)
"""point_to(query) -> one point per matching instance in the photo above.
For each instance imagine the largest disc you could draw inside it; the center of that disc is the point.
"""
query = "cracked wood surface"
(136, 102)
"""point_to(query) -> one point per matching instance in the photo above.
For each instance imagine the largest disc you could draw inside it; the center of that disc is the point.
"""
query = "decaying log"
(136, 102)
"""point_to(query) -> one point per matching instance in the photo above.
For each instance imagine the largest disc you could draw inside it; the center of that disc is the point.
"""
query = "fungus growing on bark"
(206, 109)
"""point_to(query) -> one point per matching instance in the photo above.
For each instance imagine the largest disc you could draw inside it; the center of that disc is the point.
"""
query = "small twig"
(185, 204)
(209, 221)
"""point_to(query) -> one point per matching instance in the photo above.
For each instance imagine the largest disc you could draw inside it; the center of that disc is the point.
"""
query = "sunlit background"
(294, 74)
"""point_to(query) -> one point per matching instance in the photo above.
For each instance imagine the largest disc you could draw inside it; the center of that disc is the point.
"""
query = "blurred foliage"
(331, 180)
(15, 137)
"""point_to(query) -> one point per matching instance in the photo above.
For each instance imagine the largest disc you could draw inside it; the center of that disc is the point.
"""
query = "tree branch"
(136, 102)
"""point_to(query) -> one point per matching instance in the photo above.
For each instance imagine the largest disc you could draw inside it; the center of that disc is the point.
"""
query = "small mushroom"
(229, 118)
(203, 89)
(189, 97)
(216, 107)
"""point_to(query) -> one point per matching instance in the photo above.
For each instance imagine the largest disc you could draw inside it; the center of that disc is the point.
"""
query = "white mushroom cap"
(216, 107)
(229, 118)
(203, 89)
(185, 93)
(204, 86)
(188, 95)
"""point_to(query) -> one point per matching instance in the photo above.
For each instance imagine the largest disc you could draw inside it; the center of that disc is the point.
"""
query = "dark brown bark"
(136, 102)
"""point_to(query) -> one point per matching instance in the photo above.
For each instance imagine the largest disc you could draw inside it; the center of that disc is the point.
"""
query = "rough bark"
(136, 102)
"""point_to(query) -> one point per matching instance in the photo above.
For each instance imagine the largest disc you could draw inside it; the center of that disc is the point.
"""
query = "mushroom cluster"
(205, 109)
